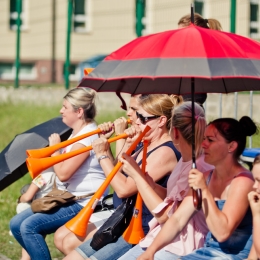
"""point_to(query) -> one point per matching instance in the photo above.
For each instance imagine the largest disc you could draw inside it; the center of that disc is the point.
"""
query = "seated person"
(80, 175)
(155, 111)
(64, 239)
(224, 190)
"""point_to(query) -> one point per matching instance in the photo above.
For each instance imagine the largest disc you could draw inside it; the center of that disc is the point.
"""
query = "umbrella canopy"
(13, 157)
(166, 62)
(188, 60)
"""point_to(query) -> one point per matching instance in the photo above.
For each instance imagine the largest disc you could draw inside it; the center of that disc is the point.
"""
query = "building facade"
(98, 27)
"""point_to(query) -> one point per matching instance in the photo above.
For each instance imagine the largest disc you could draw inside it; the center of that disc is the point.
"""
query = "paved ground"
(2, 257)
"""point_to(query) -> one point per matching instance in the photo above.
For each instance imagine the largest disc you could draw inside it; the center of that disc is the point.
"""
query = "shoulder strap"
(84, 196)
(209, 177)
(164, 144)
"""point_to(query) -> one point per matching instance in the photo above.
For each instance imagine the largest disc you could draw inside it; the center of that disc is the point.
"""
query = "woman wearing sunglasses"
(162, 156)
(162, 202)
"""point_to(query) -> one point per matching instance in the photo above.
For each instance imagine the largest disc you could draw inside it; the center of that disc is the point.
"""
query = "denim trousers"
(111, 251)
(136, 251)
(30, 229)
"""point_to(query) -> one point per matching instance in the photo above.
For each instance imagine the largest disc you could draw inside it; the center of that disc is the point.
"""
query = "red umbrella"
(182, 61)
(219, 62)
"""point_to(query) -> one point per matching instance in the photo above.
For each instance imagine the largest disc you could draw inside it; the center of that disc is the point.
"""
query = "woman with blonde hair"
(80, 175)
(162, 202)
(162, 157)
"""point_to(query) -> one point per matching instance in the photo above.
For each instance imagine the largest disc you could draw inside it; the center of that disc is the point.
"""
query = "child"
(254, 200)
(39, 187)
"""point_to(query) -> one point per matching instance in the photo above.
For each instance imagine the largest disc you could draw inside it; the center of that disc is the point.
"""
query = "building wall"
(112, 25)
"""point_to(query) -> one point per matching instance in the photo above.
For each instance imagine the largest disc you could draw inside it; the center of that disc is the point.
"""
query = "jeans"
(111, 251)
(136, 251)
(30, 229)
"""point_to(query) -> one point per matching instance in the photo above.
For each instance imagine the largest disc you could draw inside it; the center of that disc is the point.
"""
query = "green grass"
(15, 119)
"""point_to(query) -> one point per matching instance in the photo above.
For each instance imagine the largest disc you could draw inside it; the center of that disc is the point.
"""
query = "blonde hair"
(210, 23)
(182, 120)
(83, 98)
(160, 105)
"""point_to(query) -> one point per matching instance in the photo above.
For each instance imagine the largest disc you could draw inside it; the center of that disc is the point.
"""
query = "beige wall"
(113, 25)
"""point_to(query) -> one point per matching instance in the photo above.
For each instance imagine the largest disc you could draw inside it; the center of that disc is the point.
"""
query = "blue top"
(146, 215)
(237, 246)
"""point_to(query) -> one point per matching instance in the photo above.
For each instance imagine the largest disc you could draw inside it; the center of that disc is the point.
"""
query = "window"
(74, 72)
(27, 71)
(199, 7)
(81, 16)
(143, 15)
(14, 15)
(254, 19)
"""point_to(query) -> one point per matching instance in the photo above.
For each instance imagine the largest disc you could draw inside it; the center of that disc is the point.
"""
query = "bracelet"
(102, 157)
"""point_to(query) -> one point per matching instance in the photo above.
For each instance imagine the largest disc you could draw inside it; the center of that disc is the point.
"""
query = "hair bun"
(248, 126)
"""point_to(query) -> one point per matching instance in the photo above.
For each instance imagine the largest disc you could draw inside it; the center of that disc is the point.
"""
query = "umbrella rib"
(224, 86)
(180, 86)
(137, 85)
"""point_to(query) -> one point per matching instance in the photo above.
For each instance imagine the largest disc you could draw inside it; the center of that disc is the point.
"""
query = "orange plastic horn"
(134, 232)
(87, 71)
(37, 165)
(47, 151)
(78, 224)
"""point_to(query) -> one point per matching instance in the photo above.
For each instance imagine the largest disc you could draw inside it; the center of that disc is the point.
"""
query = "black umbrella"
(12, 158)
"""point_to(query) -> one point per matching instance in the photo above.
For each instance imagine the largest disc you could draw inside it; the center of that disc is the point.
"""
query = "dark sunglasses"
(144, 119)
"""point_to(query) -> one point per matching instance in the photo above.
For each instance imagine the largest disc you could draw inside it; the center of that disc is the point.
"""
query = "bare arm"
(29, 194)
(65, 169)
(234, 209)
(175, 224)
(161, 160)
(124, 186)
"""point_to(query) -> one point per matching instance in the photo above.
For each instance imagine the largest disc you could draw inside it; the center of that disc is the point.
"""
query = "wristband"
(102, 157)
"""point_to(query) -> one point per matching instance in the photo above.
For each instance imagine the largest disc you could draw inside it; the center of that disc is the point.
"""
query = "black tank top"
(146, 215)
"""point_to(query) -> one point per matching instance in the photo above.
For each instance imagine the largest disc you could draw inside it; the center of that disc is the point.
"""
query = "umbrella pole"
(197, 198)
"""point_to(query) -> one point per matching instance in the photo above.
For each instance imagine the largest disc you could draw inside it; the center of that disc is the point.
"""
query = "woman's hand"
(196, 180)
(120, 125)
(133, 132)
(100, 146)
(146, 256)
(107, 129)
(54, 139)
(254, 201)
(130, 167)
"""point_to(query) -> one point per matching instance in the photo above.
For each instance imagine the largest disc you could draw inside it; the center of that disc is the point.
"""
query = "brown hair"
(201, 22)
(257, 159)
(160, 105)
(182, 119)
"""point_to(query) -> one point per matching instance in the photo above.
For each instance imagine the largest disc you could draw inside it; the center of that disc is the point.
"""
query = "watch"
(102, 157)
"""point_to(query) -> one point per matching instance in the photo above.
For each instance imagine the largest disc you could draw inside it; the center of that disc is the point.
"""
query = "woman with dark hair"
(224, 196)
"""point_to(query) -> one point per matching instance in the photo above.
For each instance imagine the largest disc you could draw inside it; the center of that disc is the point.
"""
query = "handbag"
(53, 199)
(114, 226)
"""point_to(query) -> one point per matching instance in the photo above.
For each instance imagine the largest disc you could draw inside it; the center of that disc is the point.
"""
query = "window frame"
(85, 18)
(24, 16)
(254, 24)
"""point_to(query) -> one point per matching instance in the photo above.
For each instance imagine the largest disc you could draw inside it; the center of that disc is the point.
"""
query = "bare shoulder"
(163, 153)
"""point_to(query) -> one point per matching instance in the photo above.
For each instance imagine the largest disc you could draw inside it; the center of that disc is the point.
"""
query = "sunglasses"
(144, 119)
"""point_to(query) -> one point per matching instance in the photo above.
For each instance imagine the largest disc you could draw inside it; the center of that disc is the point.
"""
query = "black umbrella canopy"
(13, 157)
